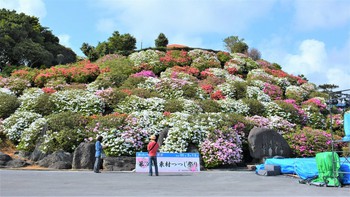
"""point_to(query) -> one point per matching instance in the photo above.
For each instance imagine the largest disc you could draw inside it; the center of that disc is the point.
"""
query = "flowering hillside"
(204, 99)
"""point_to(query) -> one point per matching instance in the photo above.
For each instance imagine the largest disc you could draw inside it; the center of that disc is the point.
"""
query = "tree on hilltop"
(235, 45)
(254, 54)
(161, 41)
(24, 41)
(123, 44)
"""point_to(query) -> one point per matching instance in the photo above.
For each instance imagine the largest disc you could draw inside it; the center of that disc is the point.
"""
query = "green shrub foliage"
(255, 107)
(8, 104)
(210, 106)
(66, 131)
(173, 105)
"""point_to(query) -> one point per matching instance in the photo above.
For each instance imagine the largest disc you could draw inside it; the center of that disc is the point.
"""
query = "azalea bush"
(297, 93)
(246, 63)
(120, 134)
(171, 87)
(315, 119)
(336, 122)
(273, 91)
(203, 59)
(100, 123)
(17, 85)
(175, 58)
(307, 142)
(256, 93)
(236, 106)
(26, 73)
(292, 114)
(277, 123)
(135, 103)
(81, 72)
(17, 123)
(186, 69)
(260, 74)
(223, 57)
(77, 101)
(32, 135)
(222, 147)
(29, 99)
(148, 60)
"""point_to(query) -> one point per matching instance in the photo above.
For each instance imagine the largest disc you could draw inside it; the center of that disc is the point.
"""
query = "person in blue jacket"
(98, 153)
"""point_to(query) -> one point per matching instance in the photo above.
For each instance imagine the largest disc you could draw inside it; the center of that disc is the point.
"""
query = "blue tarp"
(306, 167)
(347, 126)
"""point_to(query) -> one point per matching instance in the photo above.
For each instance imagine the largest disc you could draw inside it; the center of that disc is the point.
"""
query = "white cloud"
(318, 65)
(64, 40)
(339, 77)
(106, 25)
(312, 58)
(176, 18)
(29, 7)
(311, 14)
(339, 61)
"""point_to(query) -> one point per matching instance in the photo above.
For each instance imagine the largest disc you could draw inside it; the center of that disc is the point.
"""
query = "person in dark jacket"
(98, 153)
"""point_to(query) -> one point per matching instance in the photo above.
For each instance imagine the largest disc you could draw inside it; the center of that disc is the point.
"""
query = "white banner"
(169, 162)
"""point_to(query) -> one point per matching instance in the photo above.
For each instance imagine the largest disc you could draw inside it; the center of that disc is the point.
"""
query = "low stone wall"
(119, 163)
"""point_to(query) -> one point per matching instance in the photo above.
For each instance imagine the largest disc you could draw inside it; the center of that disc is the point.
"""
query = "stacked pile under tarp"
(269, 170)
(305, 168)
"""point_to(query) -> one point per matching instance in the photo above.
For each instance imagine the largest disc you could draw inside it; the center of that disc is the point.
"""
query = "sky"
(309, 37)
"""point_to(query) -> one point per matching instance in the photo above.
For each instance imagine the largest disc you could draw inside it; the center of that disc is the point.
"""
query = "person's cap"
(153, 137)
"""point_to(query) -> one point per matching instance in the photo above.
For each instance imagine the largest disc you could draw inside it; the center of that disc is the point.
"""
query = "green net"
(326, 173)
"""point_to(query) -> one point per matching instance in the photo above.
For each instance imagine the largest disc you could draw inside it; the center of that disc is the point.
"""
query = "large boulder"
(6, 161)
(4, 158)
(84, 156)
(16, 163)
(267, 143)
(162, 136)
(121, 163)
(37, 154)
(56, 157)
(61, 165)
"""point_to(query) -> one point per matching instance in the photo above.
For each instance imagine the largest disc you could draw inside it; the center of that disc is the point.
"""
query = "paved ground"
(208, 183)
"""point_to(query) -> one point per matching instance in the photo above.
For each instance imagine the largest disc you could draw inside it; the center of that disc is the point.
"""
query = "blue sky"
(310, 37)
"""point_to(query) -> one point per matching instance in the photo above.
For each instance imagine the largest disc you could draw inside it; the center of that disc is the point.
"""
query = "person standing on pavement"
(152, 148)
(98, 154)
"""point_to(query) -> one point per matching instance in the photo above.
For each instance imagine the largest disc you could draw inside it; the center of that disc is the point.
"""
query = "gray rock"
(162, 136)
(37, 154)
(268, 143)
(84, 156)
(61, 165)
(4, 157)
(122, 163)
(24, 154)
(192, 148)
(58, 156)
(2, 164)
(16, 163)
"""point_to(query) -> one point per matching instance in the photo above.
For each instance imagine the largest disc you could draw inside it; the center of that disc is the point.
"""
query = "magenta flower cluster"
(222, 147)
(144, 73)
(307, 142)
(302, 113)
(273, 91)
(316, 102)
